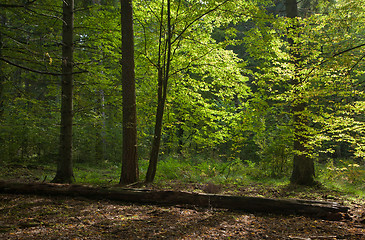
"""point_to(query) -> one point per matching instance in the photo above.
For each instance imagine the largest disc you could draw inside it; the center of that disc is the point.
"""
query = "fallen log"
(321, 209)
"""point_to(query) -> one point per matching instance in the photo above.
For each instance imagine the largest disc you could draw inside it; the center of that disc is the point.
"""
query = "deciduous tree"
(303, 164)
(130, 172)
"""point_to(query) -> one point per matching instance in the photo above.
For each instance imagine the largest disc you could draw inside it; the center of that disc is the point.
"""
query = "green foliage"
(29, 125)
(169, 169)
(100, 173)
(203, 170)
(345, 175)
(229, 93)
(329, 69)
(200, 170)
(346, 171)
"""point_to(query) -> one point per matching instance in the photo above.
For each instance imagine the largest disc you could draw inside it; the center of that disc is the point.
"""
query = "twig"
(37, 71)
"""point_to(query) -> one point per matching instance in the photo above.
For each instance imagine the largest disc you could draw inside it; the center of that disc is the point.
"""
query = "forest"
(257, 98)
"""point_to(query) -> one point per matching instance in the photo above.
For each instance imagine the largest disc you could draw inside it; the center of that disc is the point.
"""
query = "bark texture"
(64, 168)
(129, 172)
(163, 77)
(156, 141)
(2, 75)
(303, 164)
(250, 204)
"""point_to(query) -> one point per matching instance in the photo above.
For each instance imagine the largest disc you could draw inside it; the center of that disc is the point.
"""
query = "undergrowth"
(345, 176)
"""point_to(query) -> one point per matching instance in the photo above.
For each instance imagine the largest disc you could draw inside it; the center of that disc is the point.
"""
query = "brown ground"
(34, 217)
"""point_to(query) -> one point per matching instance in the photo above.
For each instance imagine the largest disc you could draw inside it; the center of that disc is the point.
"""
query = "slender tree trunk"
(100, 127)
(100, 138)
(64, 168)
(303, 164)
(129, 172)
(180, 135)
(2, 75)
(152, 167)
(163, 76)
(4, 141)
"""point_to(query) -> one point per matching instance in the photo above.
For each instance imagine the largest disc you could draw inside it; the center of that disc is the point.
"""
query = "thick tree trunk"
(303, 165)
(130, 173)
(322, 209)
(291, 8)
(64, 168)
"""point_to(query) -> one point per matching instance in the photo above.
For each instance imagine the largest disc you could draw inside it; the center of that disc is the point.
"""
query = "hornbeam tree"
(309, 73)
(163, 76)
(303, 164)
(172, 34)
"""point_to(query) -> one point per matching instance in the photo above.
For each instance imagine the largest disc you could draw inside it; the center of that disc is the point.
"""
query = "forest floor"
(40, 217)
(50, 217)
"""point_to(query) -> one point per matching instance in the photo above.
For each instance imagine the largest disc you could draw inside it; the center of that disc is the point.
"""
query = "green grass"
(101, 174)
(344, 178)
(201, 171)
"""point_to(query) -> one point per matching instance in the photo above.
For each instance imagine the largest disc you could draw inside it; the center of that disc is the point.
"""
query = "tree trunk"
(327, 210)
(64, 168)
(180, 135)
(100, 143)
(2, 74)
(129, 172)
(152, 166)
(5, 155)
(303, 165)
(163, 77)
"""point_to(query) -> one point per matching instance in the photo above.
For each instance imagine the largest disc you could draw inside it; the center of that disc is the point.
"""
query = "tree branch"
(348, 50)
(37, 71)
(197, 18)
(336, 55)
(3, 5)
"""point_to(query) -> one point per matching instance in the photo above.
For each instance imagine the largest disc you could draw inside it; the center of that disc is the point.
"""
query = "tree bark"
(64, 168)
(180, 135)
(2, 75)
(163, 77)
(129, 172)
(303, 164)
(321, 209)
(156, 141)
(100, 143)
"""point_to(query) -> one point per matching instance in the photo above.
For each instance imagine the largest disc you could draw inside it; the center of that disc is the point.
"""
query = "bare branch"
(348, 50)
(37, 71)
